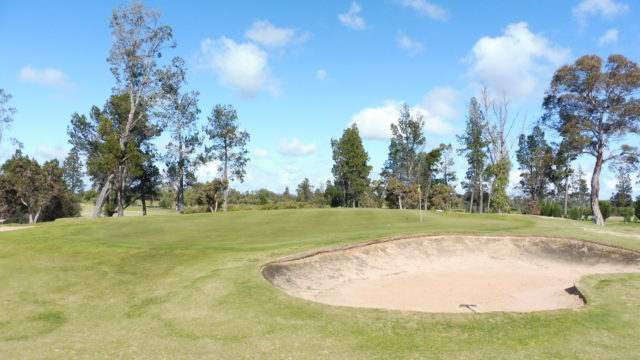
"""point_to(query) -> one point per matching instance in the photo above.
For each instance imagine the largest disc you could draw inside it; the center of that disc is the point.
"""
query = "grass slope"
(189, 287)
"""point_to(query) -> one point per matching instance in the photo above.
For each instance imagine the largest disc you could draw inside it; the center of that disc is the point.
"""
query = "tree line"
(590, 108)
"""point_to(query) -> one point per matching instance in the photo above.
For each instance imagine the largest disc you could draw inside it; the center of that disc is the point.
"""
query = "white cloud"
(267, 34)
(609, 37)
(441, 102)
(426, 9)
(514, 62)
(50, 152)
(375, 123)
(294, 147)
(243, 66)
(207, 171)
(412, 47)
(351, 18)
(47, 77)
(260, 153)
(321, 74)
(607, 9)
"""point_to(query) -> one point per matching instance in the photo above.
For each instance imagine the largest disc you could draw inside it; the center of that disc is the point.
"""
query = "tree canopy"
(592, 105)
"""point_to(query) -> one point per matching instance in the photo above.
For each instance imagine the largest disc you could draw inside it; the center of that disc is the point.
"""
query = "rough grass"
(189, 287)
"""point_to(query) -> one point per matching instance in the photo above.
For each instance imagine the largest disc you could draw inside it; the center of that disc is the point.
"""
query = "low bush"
(627, 213)
(605, 209)
(575, 213)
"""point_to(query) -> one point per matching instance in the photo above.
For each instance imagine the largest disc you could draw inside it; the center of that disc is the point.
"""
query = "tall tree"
(429, 166)
(497, 133)
(580, 187)
(228, 145)
(304, 190)
(98, 138)
(138, 41)
(535, 157)
(624, 188)
(564, 155)
(473, 147)
(73, 173)
(181, 114)
(350, 169)
(407, 142)
(6, 112)
(592, 106)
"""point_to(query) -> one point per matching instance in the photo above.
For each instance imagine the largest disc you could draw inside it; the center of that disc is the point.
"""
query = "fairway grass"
(189, 287)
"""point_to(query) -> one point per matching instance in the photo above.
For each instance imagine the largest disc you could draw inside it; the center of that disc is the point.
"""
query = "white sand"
(11, 228)
(438, 273)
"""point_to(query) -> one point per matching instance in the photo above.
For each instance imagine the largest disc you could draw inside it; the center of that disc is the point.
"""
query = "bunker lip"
(440, 272)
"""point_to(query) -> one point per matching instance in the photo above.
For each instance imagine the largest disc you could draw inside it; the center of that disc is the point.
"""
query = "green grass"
(86, 210)
(189, 287)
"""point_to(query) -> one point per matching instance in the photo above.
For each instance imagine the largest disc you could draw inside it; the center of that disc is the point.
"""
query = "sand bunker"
(438, 273)
(11, 228)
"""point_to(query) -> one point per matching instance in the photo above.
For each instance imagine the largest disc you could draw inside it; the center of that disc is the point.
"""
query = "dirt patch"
(438, 273)
(11, 228)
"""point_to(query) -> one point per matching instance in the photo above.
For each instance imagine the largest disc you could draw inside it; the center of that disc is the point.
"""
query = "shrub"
(545, 209)
(627, 213)
(557, 210)
(637, 207)
(90, 195)
(575, 213)
(605, 209)
(551, 209)
(586, 213)
(531, 207)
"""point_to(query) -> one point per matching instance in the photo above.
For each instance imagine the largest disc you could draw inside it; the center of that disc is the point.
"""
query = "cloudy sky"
(299, 72)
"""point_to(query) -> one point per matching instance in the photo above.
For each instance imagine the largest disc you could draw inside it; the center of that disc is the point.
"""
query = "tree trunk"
(473, 190)
(216, 206)
(490, 196)
(481, 208)
(106, 188)
(595, 190)
(144, 205)
(426, 195)
(225, 178)
(34, 218)
(120, 189)
(566, 195)
(400, 202)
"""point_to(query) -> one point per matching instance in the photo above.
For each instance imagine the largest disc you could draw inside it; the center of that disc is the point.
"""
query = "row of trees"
(150, 98)
(590, 106)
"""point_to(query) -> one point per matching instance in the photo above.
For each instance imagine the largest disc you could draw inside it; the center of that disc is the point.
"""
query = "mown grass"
(189, 287)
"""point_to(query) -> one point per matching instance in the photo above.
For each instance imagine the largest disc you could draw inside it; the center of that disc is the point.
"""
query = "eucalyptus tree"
(180, 112)
(33, 191)
(498, 128)
(6, 112)
(97, 138)
(593, 106)
(139, 40)
(350, 169)
(228, 145)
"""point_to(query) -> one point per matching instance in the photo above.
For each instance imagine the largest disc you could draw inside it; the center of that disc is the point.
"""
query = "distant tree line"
(590, 107)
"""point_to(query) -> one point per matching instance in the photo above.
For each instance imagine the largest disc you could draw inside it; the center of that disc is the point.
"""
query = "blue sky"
(298, 72)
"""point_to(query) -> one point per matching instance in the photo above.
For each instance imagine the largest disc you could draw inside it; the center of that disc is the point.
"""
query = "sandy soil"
(439, 273)
(11, 228)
